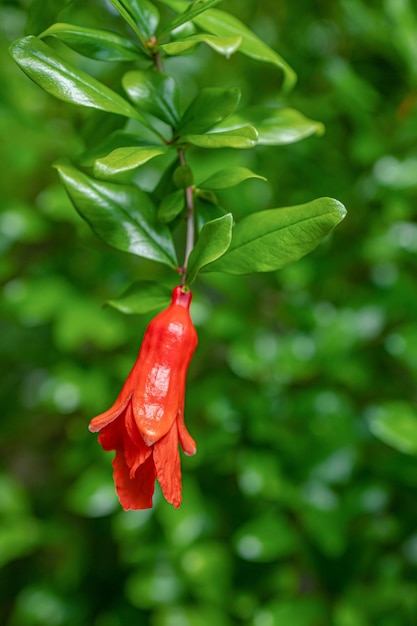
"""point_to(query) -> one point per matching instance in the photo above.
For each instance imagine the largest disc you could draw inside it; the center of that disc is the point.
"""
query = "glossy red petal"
(111, 436)
(102, 420)
(134, 493)
(168, 469)
(136, 451)
(187, 442)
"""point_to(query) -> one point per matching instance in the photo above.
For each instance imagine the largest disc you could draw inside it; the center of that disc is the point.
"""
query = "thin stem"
(189, 198)
(190, 236)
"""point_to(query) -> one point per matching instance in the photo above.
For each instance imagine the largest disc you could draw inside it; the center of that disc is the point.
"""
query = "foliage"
(299, 506)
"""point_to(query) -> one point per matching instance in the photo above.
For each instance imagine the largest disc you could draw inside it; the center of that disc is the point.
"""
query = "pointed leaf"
(208, 108)
(118, 139)
(171, 206)
(223, 45)
(245, 137)
(226, 25)
(141, 15)
(395, 423)
(122, 215)
(191, 11)
(212, 243)
(275, 126)
(229, 177)
(269, 240)
(155, 93)
(142, 297)
(66, 82)
(122, 160)
(102, 45)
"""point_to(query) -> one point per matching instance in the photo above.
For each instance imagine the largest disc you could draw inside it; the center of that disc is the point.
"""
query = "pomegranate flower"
(146, 422)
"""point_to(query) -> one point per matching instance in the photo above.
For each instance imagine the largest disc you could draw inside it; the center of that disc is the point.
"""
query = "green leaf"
(66, 82)
(141, 15)
(155, 93)
(142, 297)
(101, 45)
(171, 206)
(212, 243)
(395, 423)
(225, 25)
(245, 137)
(275, 126)
(223, 45)
(122, 215)
(208, 108)
(229, 177)
(191, 11)
(117, 139)
(122, 160)
(269, 240)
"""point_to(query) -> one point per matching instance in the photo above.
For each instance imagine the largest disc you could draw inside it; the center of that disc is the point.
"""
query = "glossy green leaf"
(155, 93)
(223, 45)
(212, 243)
(245, 137)
(275, 126)
(66, 82)
(171, 206)
(269, 240)
(229, 177)
(395, 423)
(208, 108)
(142, 297)
(225, 25)
(118, 139)
(122, 215)
(141, 15)
(190, 11)
(123, 160)
(101, 45)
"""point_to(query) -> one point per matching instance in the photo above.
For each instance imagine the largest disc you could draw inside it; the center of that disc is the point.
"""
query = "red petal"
(187, 442)
(136, 451)
(134, 493)
(102, 420)
(111, 436)
(167, 462)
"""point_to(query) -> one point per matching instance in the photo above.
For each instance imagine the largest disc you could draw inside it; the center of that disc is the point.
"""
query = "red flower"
(146, 422)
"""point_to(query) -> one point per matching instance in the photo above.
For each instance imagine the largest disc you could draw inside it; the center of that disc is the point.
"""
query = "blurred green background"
(300, 507)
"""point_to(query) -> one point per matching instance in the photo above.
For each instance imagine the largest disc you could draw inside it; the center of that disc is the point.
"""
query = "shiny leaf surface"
(122, 215)
(245, 137)
(101, 45)
(123, 160)
(155, 93)
(210, 106)
(275, 126)
(212, 243)
(62, 80)
(141, 297)
(229, 177)
(269, 240)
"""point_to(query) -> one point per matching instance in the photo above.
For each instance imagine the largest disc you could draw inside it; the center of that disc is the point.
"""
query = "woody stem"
(189, 244)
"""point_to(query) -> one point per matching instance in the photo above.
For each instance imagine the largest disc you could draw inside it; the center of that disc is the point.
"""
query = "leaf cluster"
(105, 185)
